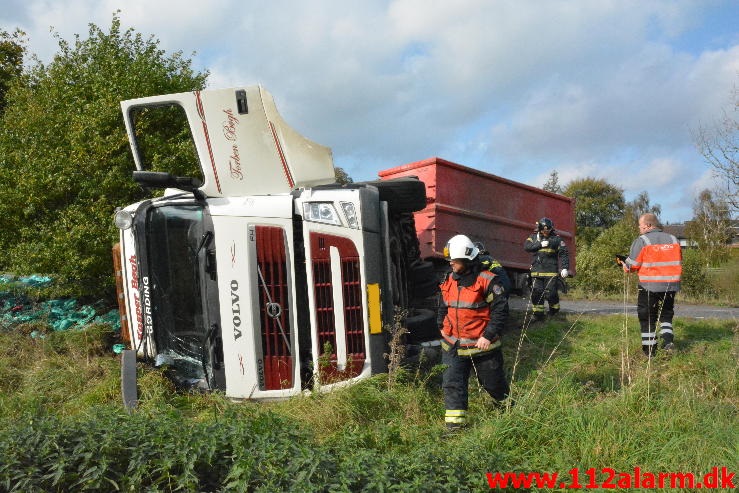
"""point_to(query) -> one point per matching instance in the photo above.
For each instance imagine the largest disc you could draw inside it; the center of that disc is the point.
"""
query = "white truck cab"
(262, 277)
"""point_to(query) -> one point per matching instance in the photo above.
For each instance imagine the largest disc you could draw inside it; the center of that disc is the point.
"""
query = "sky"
(605, 89)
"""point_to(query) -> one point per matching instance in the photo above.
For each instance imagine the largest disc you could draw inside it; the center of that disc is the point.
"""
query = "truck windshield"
(177, 251)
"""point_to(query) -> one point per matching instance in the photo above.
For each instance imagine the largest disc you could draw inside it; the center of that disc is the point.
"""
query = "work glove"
(564, 273)
(544, 243)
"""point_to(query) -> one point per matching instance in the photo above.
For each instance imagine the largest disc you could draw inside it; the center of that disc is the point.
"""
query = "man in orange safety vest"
(657, 258)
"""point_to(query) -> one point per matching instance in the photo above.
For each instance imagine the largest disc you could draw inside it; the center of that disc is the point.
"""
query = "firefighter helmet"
(460, 247)
(544, 223)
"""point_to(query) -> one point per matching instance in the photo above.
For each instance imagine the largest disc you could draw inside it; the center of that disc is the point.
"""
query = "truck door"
(238, 141)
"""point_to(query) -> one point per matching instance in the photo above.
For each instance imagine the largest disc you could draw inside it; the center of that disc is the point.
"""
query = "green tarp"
(16, 307)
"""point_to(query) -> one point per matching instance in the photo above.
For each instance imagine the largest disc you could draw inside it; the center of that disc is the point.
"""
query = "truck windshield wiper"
(206, 239)
(210, 353)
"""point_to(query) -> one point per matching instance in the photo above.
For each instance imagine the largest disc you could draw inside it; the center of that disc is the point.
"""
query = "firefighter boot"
(504, 405)
(538, 312)
(455, 420)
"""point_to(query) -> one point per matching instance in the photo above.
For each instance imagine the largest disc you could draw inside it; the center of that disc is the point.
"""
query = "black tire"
(421, 271)
(406, 194)
(421, 326)
(427, 288)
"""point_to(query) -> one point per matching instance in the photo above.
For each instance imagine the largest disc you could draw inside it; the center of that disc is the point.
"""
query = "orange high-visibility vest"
(468, 311)
(659, 262)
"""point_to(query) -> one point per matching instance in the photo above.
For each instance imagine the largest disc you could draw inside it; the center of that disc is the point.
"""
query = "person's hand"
(564, 273)
(482, 343)
(544, 243)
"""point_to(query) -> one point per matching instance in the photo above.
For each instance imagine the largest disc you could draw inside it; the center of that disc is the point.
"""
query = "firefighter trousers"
(544, 289)
(490, 373)
(651, 308)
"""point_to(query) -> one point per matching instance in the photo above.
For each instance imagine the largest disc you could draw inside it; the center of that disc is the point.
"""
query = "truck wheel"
(407, 194)
(421, 271)
(424, 289)
(422, 326)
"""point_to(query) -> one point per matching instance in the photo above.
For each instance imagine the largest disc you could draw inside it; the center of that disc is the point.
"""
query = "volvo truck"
(256, 274)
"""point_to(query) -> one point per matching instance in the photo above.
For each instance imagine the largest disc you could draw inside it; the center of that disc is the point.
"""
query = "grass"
(585, 397)
(725, 280)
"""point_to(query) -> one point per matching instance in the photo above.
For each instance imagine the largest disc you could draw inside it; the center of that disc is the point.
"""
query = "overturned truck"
(260, 276)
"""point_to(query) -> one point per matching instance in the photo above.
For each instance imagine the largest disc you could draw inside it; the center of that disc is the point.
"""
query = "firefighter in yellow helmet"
(473, 309)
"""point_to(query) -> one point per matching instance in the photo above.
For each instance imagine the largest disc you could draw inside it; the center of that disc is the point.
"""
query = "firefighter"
(472, 313)
(657, 258)
(494, 266)
(551, 260)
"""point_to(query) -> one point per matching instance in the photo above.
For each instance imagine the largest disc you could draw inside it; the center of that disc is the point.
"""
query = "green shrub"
(597, 271)
(695, 281)
(64, 149)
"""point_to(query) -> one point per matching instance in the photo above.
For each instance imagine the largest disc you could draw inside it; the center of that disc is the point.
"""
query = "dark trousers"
(544, 289)
(490, 374)
(652, 308)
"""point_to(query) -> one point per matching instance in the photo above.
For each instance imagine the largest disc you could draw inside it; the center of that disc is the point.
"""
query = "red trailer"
(498, 212)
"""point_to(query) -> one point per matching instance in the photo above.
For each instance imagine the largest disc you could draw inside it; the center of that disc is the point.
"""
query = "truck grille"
(274, 308)
(353, 314)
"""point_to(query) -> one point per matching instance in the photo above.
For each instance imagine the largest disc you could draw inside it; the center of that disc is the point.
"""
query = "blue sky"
(610, 89)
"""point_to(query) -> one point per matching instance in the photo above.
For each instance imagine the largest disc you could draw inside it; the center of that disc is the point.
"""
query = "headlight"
(321, 212)
(123, 219)
(350, 214)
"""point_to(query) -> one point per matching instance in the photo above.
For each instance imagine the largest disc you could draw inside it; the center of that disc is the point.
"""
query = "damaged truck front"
(261, 277)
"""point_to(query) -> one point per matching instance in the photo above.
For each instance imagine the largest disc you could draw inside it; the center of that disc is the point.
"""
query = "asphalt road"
(614, 307)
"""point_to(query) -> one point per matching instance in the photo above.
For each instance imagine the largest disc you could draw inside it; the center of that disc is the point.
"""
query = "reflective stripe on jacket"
(547, 261)
(468, 309)
(659, 260)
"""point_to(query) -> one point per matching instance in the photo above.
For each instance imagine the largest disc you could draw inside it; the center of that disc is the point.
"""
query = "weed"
(397, 345)
(63, 428)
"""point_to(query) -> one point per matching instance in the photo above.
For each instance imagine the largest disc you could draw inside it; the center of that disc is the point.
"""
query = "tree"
(710, 228)
(12, 52)
(640, 205)
(64, 149)
(597, 270)
(719, 146)
(342, 177)
(552, 183)
(599, 205)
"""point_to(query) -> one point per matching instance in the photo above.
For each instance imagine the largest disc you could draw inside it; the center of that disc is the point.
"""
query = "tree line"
(607, 224)
(66, 163)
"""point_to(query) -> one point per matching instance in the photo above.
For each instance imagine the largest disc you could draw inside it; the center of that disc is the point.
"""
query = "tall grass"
(580, 402)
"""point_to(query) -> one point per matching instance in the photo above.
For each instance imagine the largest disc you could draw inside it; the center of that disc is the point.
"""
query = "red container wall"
(498, 212)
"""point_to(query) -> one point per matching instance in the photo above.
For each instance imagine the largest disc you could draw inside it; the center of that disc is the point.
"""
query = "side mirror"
(162, 179)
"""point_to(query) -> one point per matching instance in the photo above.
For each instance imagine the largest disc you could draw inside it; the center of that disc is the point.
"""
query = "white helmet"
(460, 247)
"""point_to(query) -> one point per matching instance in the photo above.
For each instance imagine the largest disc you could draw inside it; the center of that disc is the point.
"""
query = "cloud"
(517, 88)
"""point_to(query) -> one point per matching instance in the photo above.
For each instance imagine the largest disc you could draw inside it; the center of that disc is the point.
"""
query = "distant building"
(678, 229)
